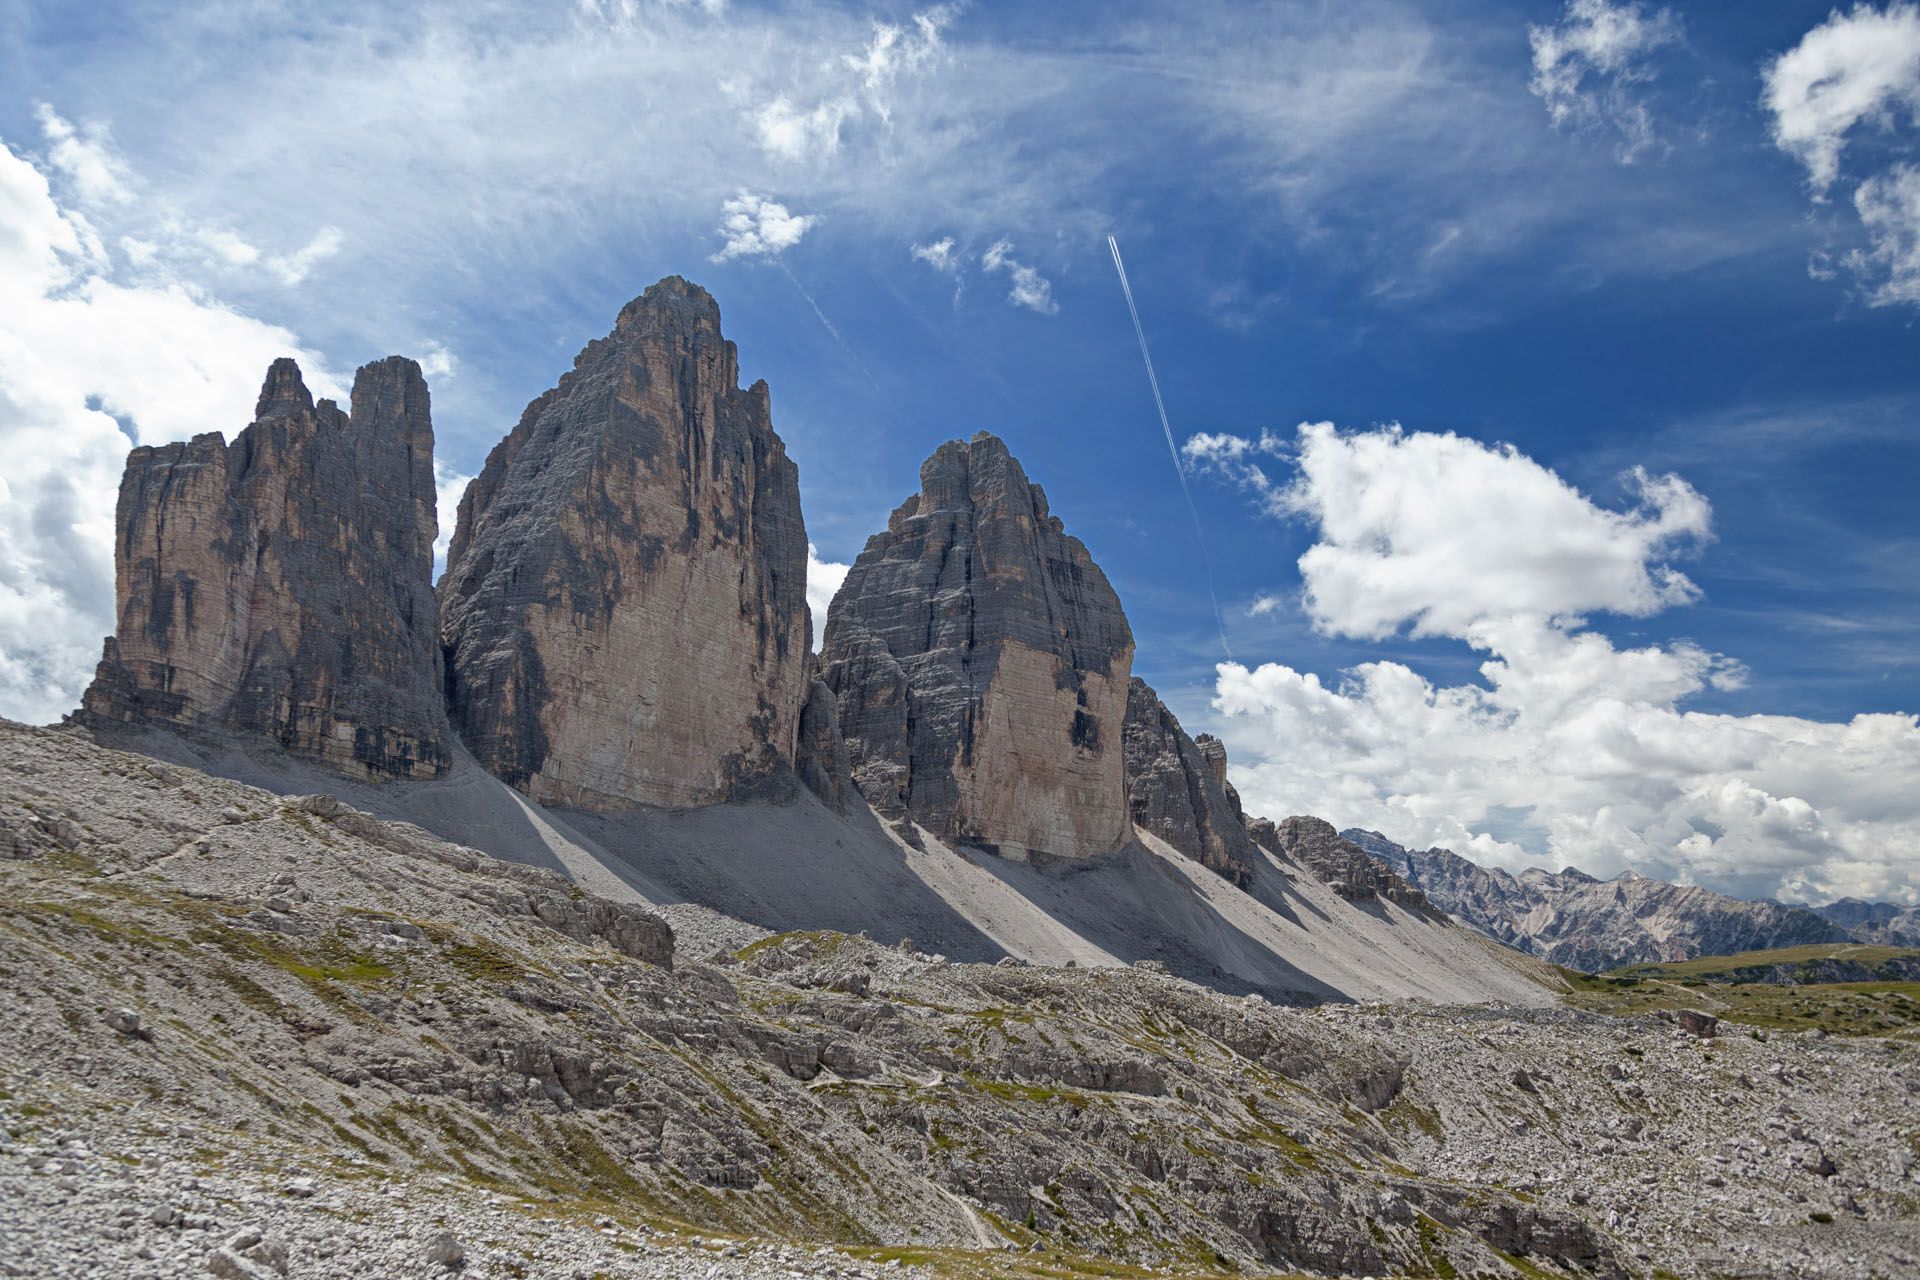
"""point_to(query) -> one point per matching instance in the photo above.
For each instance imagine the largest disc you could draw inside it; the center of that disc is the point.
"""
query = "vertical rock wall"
(280, 586)
(981, 660)
(1177, 788)
(624, 607)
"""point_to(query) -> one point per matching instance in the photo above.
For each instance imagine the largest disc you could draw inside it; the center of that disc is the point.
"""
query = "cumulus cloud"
(449, 486)
(1570, 750)
(1398, 548)
(1889, 208)
(1029, 289)
(1858, 67)
(823, 579)
(1858, 70)
(756, 227)
(86, 361)
(1586, 65)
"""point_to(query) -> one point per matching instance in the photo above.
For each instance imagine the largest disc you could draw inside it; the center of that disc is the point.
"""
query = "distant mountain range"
(1573, 919)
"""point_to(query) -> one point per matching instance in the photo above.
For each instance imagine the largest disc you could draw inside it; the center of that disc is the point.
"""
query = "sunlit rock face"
(981, 660)
(280, 586)
(624, 607)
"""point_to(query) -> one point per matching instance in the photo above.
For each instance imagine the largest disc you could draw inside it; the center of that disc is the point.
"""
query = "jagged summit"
(981, 661)
(283, 392)
(1177, 788)
(279, 587)
(624, 606)
(1574, 919)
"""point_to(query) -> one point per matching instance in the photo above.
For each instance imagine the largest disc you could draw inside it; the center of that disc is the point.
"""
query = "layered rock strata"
(280, 586)
(624, 607)
(981, 659)
(1338, 862)
(1177, 788)
(1574, 919)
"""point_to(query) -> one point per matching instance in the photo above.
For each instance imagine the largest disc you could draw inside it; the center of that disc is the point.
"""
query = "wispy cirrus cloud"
(1027, 287)
(1586, 68)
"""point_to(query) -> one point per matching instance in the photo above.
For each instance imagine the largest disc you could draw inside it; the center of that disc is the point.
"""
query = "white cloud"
(85, 156)
(86, 361)
(939, 255)
(296, 266)
(793, 134)
(895, 51)
(823, 579)
(1030, 289)
(852, 87)
(449, 486)
(1858, 67)
(1398, 548)
(756, 227)
(1889, 208)
(438, 363)
(227, 247)
(1585, 65)
(1590, 742)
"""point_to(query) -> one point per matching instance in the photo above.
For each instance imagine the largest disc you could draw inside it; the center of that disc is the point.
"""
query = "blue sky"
(1678, 238)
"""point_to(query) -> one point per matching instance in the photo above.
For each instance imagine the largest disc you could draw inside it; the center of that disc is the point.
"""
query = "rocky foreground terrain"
(252, 1035)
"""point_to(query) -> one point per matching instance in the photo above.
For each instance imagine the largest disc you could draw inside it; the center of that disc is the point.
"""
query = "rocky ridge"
(1177, 788)
(1886, 923)
(329, 1046)
(279, 587)
(1313, 843)
(624, 607)
(1573, 919)
(981, 661)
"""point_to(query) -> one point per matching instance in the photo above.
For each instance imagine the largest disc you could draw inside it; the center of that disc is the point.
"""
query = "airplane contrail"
(1173, 450)
(829, 326)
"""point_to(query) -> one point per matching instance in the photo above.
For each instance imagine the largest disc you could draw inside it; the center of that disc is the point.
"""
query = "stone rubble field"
(248, 1035)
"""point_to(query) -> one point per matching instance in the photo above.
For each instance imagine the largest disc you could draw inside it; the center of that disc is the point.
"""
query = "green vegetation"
(1839, 1008)
(1730, 968)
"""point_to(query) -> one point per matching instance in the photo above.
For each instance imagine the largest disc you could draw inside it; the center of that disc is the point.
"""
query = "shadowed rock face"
(281, 585)
(1353, 874)
(1177, 788)
(981, 659)
(624, 607)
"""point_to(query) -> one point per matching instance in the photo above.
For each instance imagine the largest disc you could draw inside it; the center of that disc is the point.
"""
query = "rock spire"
(624, 607)
(981, 660)
(280, 586)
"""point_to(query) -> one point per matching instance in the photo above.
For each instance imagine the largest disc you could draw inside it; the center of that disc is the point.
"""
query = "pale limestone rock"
(625, 599)
(981, 660)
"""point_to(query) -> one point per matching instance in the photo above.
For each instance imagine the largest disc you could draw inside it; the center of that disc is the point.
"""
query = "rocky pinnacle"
(280, 586)
(624, 607)
(1177, 788)
(981, 659)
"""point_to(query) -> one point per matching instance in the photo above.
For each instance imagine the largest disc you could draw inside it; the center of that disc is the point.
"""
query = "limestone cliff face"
(624, 607)
(281, 585)
(981, 660)
(1177, 788)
